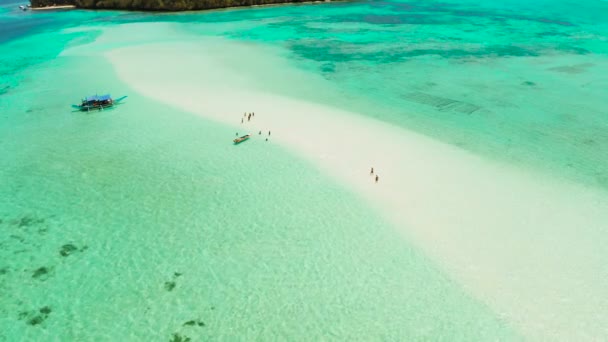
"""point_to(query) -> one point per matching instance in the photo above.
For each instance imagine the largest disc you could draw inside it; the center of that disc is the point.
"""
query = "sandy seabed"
(527, 244)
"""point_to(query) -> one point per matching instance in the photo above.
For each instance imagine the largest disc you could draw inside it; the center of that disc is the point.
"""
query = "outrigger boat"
(241, 139)
(97, 102)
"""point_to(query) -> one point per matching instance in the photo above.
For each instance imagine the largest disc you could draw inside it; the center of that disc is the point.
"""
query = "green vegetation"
(158, 5)
(46, 3)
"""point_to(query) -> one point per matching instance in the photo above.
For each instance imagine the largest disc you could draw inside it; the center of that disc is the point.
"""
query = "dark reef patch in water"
(41, 272)
(410, 19)
(528, 83)
(497, 50)
(550, 21)
(170, 285)
(442, 103)
(35, 318)
(331, 51)
(572, 69)
(67, 250)
(3, 270)
(328, 67)
(27, 221)
(507, 51)
(589, 142)
(17, 237)
(38, 319)
(193, 322)
(573, 49)
(442, 13)
(179, 338)
(551, 34)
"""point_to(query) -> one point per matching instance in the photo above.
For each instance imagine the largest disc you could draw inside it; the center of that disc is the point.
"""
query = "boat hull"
(96, 102)
(96, 107)
(241, 139)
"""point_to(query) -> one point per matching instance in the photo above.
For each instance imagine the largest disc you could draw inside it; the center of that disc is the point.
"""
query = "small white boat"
(241, 139)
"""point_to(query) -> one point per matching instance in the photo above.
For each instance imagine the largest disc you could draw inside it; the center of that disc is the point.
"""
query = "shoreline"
(468, 214)
(50, 8)
(292, 3)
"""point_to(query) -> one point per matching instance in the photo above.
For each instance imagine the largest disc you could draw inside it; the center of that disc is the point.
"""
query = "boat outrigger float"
(241, 139)
(98, 102)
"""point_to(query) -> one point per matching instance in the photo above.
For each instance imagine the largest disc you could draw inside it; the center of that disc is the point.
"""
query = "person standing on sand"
(372, 171)
(376, 178)
(260, 133)
(241, 120)
(268, 133)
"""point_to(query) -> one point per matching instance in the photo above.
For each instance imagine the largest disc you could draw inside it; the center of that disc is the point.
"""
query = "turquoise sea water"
(127, 224)
(459, 71)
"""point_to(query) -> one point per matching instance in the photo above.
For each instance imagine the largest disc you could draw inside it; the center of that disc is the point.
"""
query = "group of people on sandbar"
(372, 173)
(249, 116)
(260, 133)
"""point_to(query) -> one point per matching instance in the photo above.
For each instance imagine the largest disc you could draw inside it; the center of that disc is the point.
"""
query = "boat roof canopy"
(99, 98)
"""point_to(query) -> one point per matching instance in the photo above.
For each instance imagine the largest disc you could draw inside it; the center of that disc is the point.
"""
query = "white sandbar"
(51, 8)
(532, 247)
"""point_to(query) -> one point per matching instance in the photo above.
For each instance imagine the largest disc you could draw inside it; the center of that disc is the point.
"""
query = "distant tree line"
(45, 3)
(158, 5)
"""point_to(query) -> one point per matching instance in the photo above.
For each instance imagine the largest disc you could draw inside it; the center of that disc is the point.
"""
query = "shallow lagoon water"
(167, 229)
